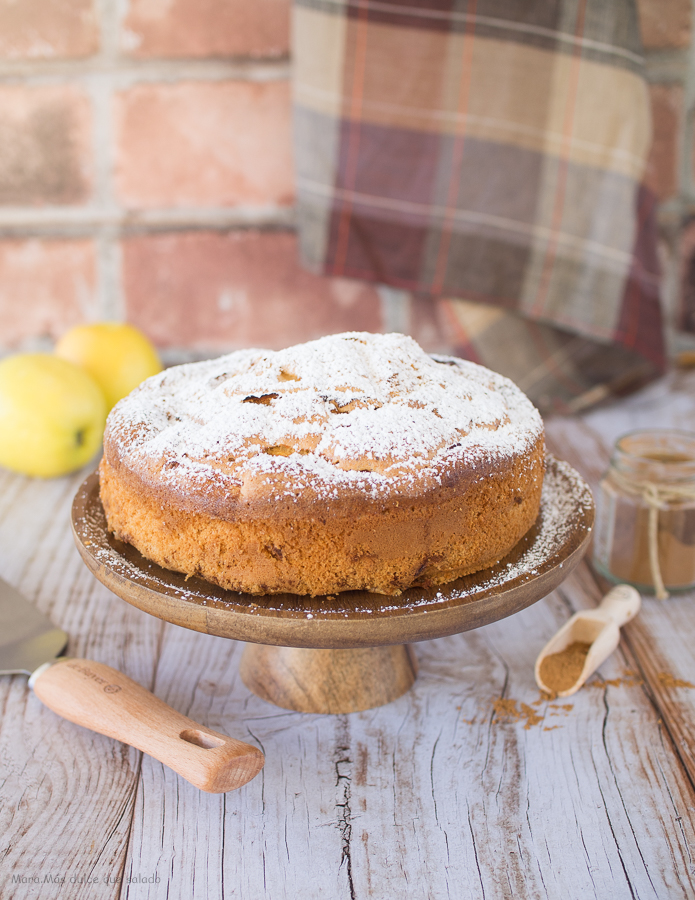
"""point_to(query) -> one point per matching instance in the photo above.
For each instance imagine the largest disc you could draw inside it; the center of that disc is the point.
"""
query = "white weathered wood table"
(466, 787)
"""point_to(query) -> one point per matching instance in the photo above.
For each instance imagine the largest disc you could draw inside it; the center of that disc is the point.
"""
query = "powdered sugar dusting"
(367, 413)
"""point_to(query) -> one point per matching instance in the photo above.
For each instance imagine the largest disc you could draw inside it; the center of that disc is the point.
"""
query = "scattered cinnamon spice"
(561, 671)
(558, 710)
(507, 709)
(669, 681)
(543, 697)
(628, 679)
(531, 716)
(624, 682)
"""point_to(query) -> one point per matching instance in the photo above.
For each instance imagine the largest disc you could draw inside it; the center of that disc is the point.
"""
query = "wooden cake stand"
(349, 651)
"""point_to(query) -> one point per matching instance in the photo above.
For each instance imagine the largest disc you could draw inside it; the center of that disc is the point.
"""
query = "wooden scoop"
(599, 628)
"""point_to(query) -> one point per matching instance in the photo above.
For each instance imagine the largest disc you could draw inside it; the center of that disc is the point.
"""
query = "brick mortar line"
(110, 302)
(102, 216)
(108, 237)
(111, 15)
(124, 74)
(107, 240)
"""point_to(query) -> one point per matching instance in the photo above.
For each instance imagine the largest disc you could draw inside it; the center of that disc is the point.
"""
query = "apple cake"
(353, 462)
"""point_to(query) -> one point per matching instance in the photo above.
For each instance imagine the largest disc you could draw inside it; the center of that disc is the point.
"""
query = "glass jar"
(645, 516)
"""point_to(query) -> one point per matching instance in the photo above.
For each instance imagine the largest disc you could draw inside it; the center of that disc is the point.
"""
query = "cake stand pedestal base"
(328, 681)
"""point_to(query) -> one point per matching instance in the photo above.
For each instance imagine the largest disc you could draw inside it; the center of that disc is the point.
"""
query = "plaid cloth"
(490, 153)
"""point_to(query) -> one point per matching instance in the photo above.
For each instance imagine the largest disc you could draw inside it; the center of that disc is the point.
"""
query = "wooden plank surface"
(468, 786)
(67, 793)
(436, 791)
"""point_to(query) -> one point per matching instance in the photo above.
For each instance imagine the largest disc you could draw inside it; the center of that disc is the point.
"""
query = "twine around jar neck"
(657, 496)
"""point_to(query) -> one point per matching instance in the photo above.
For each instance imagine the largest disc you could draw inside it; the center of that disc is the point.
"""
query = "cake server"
(598, 627)
(105, 700)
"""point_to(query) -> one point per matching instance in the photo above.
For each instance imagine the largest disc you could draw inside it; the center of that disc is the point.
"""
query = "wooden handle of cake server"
(105, 700)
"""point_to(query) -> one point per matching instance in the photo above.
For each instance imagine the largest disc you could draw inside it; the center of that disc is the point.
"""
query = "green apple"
(118, 356)
(52, 415)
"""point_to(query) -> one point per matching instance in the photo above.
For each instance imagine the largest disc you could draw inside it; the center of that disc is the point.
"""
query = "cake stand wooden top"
(535, 567)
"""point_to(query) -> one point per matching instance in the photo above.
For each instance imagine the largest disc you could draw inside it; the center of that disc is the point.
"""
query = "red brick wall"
(146, 173)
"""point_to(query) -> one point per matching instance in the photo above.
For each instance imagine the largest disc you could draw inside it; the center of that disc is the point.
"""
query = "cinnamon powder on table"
(561, 671)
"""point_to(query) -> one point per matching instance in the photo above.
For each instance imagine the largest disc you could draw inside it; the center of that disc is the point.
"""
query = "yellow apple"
(52, 415)
(117, 355)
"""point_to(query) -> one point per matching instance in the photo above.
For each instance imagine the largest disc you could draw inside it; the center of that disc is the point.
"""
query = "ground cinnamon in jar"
(645, 522)
(560, 671)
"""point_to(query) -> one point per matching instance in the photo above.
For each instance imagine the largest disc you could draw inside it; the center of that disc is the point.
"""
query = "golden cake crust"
(353, 462)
